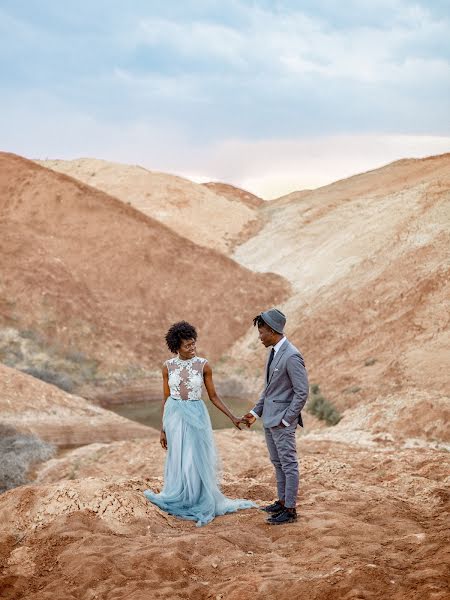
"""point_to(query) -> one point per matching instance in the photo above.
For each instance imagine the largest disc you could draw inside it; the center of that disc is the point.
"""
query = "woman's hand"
(236, 422)
(163, 439)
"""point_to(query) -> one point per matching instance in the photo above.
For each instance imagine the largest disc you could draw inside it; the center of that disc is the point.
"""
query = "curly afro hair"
(177, 333)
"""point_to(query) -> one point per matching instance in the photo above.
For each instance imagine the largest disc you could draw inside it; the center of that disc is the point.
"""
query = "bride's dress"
(191, 487)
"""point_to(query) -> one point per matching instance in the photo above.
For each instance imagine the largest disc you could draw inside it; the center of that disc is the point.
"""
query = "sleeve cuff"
(252, 412)
(285, 423)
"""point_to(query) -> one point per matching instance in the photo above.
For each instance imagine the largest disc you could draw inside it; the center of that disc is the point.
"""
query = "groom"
(280, 405)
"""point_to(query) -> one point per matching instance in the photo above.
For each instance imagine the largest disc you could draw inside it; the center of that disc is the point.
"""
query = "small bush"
(19, 452)
(29, 334)
(61, 380)
(321, 408)
(369, 362)
(75, 356)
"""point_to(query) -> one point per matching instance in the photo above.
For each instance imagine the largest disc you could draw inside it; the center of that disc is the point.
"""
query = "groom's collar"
(279, 344)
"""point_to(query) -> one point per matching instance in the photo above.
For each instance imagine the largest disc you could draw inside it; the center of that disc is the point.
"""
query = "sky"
(271, 96)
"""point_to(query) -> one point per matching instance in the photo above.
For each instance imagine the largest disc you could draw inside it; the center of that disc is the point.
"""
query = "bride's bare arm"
(166, 394)
(213, 396)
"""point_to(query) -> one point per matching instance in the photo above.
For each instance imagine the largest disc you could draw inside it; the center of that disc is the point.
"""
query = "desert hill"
(93, 276)
(203, 214)
(88, 281)
(367, 261)
(367, 258)
(388, 179)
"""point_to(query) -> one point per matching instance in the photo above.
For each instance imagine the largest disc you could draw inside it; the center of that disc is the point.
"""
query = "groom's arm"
(256, 412)
(258, 409)
(299, 379)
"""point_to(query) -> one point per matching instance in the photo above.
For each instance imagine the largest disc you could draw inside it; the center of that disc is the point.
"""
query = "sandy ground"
(373, 515)
(372, 524)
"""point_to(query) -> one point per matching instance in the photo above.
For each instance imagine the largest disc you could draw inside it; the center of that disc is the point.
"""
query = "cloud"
(279, 72)
(266, 167)
(194, 39)
(302, 92)
(271, 43)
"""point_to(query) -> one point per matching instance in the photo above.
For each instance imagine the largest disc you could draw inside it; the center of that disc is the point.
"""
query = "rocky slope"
(368, 261)
(32, 406)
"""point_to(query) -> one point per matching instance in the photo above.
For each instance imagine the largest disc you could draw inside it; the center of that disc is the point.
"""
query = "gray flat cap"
(274, 319)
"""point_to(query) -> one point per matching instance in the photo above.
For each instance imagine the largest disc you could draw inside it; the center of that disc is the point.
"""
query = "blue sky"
(272, 96)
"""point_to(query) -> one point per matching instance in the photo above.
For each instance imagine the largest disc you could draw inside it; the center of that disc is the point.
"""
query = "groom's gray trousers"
(283, 454)
(281, 403)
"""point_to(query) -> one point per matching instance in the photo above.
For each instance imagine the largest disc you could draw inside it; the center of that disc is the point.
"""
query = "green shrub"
(29, 334)
(19, 452)
(33, 353)
(321, 408)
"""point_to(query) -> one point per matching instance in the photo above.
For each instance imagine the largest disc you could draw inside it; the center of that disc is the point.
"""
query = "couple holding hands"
(191, 487)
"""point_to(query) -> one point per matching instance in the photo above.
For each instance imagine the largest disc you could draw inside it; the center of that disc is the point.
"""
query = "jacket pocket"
(282, 401)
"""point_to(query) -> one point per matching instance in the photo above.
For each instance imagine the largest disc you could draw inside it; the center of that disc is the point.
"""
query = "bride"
(191, 488)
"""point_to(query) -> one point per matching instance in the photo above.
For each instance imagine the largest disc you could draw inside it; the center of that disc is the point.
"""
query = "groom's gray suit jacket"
(286, 392)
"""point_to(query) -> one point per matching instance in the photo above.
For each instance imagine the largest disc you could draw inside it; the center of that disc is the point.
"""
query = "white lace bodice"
(186, 377)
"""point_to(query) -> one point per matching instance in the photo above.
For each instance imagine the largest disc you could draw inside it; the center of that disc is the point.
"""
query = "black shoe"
(274, 508)
(285, 516)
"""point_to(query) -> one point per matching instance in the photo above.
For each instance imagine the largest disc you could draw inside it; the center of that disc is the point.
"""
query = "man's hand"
(249, 419)
(163, 439)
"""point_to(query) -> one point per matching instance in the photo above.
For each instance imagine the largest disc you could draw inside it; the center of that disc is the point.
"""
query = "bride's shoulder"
(202, 360)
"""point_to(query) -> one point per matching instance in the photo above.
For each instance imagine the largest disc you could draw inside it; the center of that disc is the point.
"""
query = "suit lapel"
(276, 360)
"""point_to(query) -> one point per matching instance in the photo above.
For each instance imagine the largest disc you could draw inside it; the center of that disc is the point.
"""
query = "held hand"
(163, 439)
(236, 422)
(249, 419)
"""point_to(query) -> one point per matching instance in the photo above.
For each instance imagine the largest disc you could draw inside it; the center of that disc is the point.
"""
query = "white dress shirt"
(275, 349)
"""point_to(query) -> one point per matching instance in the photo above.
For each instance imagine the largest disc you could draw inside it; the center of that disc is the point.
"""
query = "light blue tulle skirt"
(191, 474)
